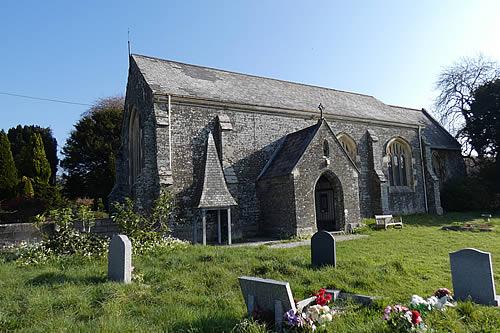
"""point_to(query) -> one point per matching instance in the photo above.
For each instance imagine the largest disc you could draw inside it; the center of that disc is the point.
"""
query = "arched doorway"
(329, 202)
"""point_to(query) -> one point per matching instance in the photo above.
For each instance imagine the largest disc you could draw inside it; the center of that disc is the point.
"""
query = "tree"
(40, 165)
(27, 188)
(20, 139)
(8, 172)
(89, 152)
(483, 125)
(457, 85)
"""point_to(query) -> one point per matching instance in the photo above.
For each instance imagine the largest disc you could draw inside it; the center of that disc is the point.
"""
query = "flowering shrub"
(147, 232)
(312, 316)
(409, 319)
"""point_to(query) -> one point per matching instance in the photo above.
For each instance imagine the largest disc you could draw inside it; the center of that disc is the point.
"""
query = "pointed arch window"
(439, 166)
(399, 163)
(349, 145)
(135, 146)
(326, 149)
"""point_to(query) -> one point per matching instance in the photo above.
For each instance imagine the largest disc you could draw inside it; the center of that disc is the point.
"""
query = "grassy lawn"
(195, 289)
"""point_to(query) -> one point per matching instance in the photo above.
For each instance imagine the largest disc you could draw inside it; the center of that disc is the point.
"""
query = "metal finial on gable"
(321, 108)
(128, 42)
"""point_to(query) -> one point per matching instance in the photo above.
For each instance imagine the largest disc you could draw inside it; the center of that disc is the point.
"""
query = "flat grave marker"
(267, 296)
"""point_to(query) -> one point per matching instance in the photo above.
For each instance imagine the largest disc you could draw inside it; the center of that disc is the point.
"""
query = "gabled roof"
(191, 81)
(179, 79)
(215, 193)
(288, 154)
(292, 148)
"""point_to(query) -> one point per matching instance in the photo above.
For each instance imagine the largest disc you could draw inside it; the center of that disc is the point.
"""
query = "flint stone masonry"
(472, 276)
(323, 249)
(120, 259)
(250, 117)
(14, 233)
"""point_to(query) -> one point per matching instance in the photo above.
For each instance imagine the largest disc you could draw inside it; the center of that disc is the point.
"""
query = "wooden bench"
(388, 220)
(486, 217)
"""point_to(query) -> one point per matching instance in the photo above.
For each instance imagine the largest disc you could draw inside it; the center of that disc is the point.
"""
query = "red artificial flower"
(415, 317)
(322, 298)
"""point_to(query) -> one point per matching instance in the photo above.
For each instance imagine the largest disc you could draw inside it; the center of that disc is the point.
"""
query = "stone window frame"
(349, 145)
(399, 163)
(439, 165)
(135, 146)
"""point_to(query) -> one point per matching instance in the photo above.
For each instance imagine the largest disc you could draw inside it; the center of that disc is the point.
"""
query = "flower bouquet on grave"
(403, 319)
(315, 315)
(438, 301)
(409, 319)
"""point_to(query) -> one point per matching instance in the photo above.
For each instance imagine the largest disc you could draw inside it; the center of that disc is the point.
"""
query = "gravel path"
(281, 245)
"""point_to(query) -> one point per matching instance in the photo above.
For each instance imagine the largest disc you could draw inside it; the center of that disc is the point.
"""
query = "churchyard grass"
(195, 288)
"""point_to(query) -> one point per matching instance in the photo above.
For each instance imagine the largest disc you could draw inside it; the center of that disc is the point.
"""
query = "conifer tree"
(20, 145)
(27, 191)
(41, 166)
(8, 172)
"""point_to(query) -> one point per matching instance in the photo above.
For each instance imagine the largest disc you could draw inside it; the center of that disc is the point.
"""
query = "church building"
(273, 158)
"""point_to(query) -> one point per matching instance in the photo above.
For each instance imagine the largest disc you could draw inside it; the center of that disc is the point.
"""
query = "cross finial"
(321, 108)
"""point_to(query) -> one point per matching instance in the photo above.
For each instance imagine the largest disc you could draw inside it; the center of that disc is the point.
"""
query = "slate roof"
(288, 154)
(435, 134)
(215, 193)
(179, 79)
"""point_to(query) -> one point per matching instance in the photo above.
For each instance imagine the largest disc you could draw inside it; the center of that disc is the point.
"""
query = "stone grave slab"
(472, 276)
(120, 259)
(266, 295)
(323, 249)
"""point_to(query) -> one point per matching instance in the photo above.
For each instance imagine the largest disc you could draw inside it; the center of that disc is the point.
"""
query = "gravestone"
(267, 296)
(120, 259)
(472, 276)
(323, 251)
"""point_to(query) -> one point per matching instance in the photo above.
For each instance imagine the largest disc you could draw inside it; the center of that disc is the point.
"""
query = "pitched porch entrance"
(329, 203)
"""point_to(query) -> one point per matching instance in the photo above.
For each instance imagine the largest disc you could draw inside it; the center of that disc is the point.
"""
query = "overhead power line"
(44, 99)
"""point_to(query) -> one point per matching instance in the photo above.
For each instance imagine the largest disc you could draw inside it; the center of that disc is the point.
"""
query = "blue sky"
(77, 50)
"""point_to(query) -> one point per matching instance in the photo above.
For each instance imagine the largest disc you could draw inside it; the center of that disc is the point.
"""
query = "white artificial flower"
(325, 318)
(443, 302)
(432, 302)
(313, 312)
(408, 316)
(417, 300)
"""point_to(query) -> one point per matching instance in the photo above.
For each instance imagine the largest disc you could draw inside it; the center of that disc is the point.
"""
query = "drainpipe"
(423, 167)
(169, 135)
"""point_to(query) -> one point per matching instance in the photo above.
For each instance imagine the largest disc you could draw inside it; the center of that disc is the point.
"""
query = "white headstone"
(472, 276)
(120, 259)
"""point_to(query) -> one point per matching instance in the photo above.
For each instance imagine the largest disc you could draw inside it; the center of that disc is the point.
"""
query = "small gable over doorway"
(309, 184)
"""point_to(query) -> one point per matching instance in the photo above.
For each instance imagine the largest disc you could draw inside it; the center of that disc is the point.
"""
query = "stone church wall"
(277, 201)
(310, 168)
(145, 188)
(250, 144)
(246, 137)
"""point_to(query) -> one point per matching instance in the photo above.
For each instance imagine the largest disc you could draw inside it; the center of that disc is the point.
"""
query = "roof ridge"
(256, 76)
(404, 107)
